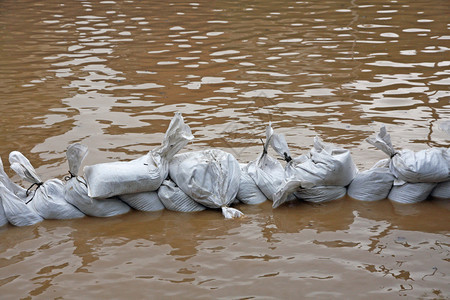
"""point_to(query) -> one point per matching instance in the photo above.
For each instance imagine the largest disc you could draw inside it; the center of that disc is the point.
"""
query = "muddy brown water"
(111, 74)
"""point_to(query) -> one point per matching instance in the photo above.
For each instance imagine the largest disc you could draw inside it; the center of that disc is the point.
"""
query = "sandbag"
(430, 165)
(144, 174)
(16, 211)
(442, 190)
(321, 194)
(373, 184)
(76, 191)
(411, 192)
(325, 165)
(48, 198)
(249, 193)
(10, 185)
(12, 207)
(145, 201)
(175, 199)
(267, 172)
(209, 177)
(3, 218)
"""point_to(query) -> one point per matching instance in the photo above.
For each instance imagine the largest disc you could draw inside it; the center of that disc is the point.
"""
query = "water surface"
(110, 74)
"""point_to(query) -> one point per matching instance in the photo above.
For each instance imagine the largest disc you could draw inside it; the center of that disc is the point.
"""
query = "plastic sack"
(321, 194)
(175, 199)
(430, 165)
(442, 190)
(15, 210)
(76, 191)
(48, 198)
(411, 192)
(144, 174)
(373, 184)
(145, 201)
(249, 193)
(267, 172)
(325, 165)
(12, 207)
(209, 177)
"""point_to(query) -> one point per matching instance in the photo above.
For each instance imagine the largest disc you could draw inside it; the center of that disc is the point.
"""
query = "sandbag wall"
(214, 179)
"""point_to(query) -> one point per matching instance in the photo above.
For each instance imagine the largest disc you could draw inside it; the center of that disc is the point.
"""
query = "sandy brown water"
(110, 74)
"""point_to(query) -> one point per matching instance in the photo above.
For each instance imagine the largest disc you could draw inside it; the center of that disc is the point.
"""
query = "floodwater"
(110, 74)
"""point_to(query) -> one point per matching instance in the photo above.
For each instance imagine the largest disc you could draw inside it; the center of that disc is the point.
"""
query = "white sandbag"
(175, 199)
(249, 193)
(144, 174)
(210, 177)
(3, 218)
(430, 165)
(411, 192)
(324, 165)
(373, 184)
(442, 190)
(267, 172)
(48, 198)
(145, 201)
(76, 191)
(16, 211)
(321, 194)
(10, 185)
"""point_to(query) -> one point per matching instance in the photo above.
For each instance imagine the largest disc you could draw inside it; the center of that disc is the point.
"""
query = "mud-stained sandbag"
(267, 172)
(321, 194)
(409, 193)
(76, 191)
(442, 190)
(249, 192)
(175, 199)
(48, 198)
(144, 174)
(209, 177)
(373, 184)
(145, 201)
(430, 165)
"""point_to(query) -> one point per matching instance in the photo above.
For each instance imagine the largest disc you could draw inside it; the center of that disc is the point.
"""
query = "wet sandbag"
(249, 192)
(430, 165)
(3, 218)
(267, 172)
(409, 193)
(442, 190)
(13, 207)
(10, 185)
(145, 201)
(16, 211)
(210, 177)
(324, 165)
(175, 199)
(48, 198)
(144, 174)
(76, 191)
(321, 194)
(373, 184)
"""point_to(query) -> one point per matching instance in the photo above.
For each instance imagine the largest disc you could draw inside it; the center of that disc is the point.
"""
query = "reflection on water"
(110, 74)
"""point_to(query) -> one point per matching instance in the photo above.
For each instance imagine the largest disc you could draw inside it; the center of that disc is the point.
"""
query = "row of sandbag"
(213, 178)
(405, 177)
